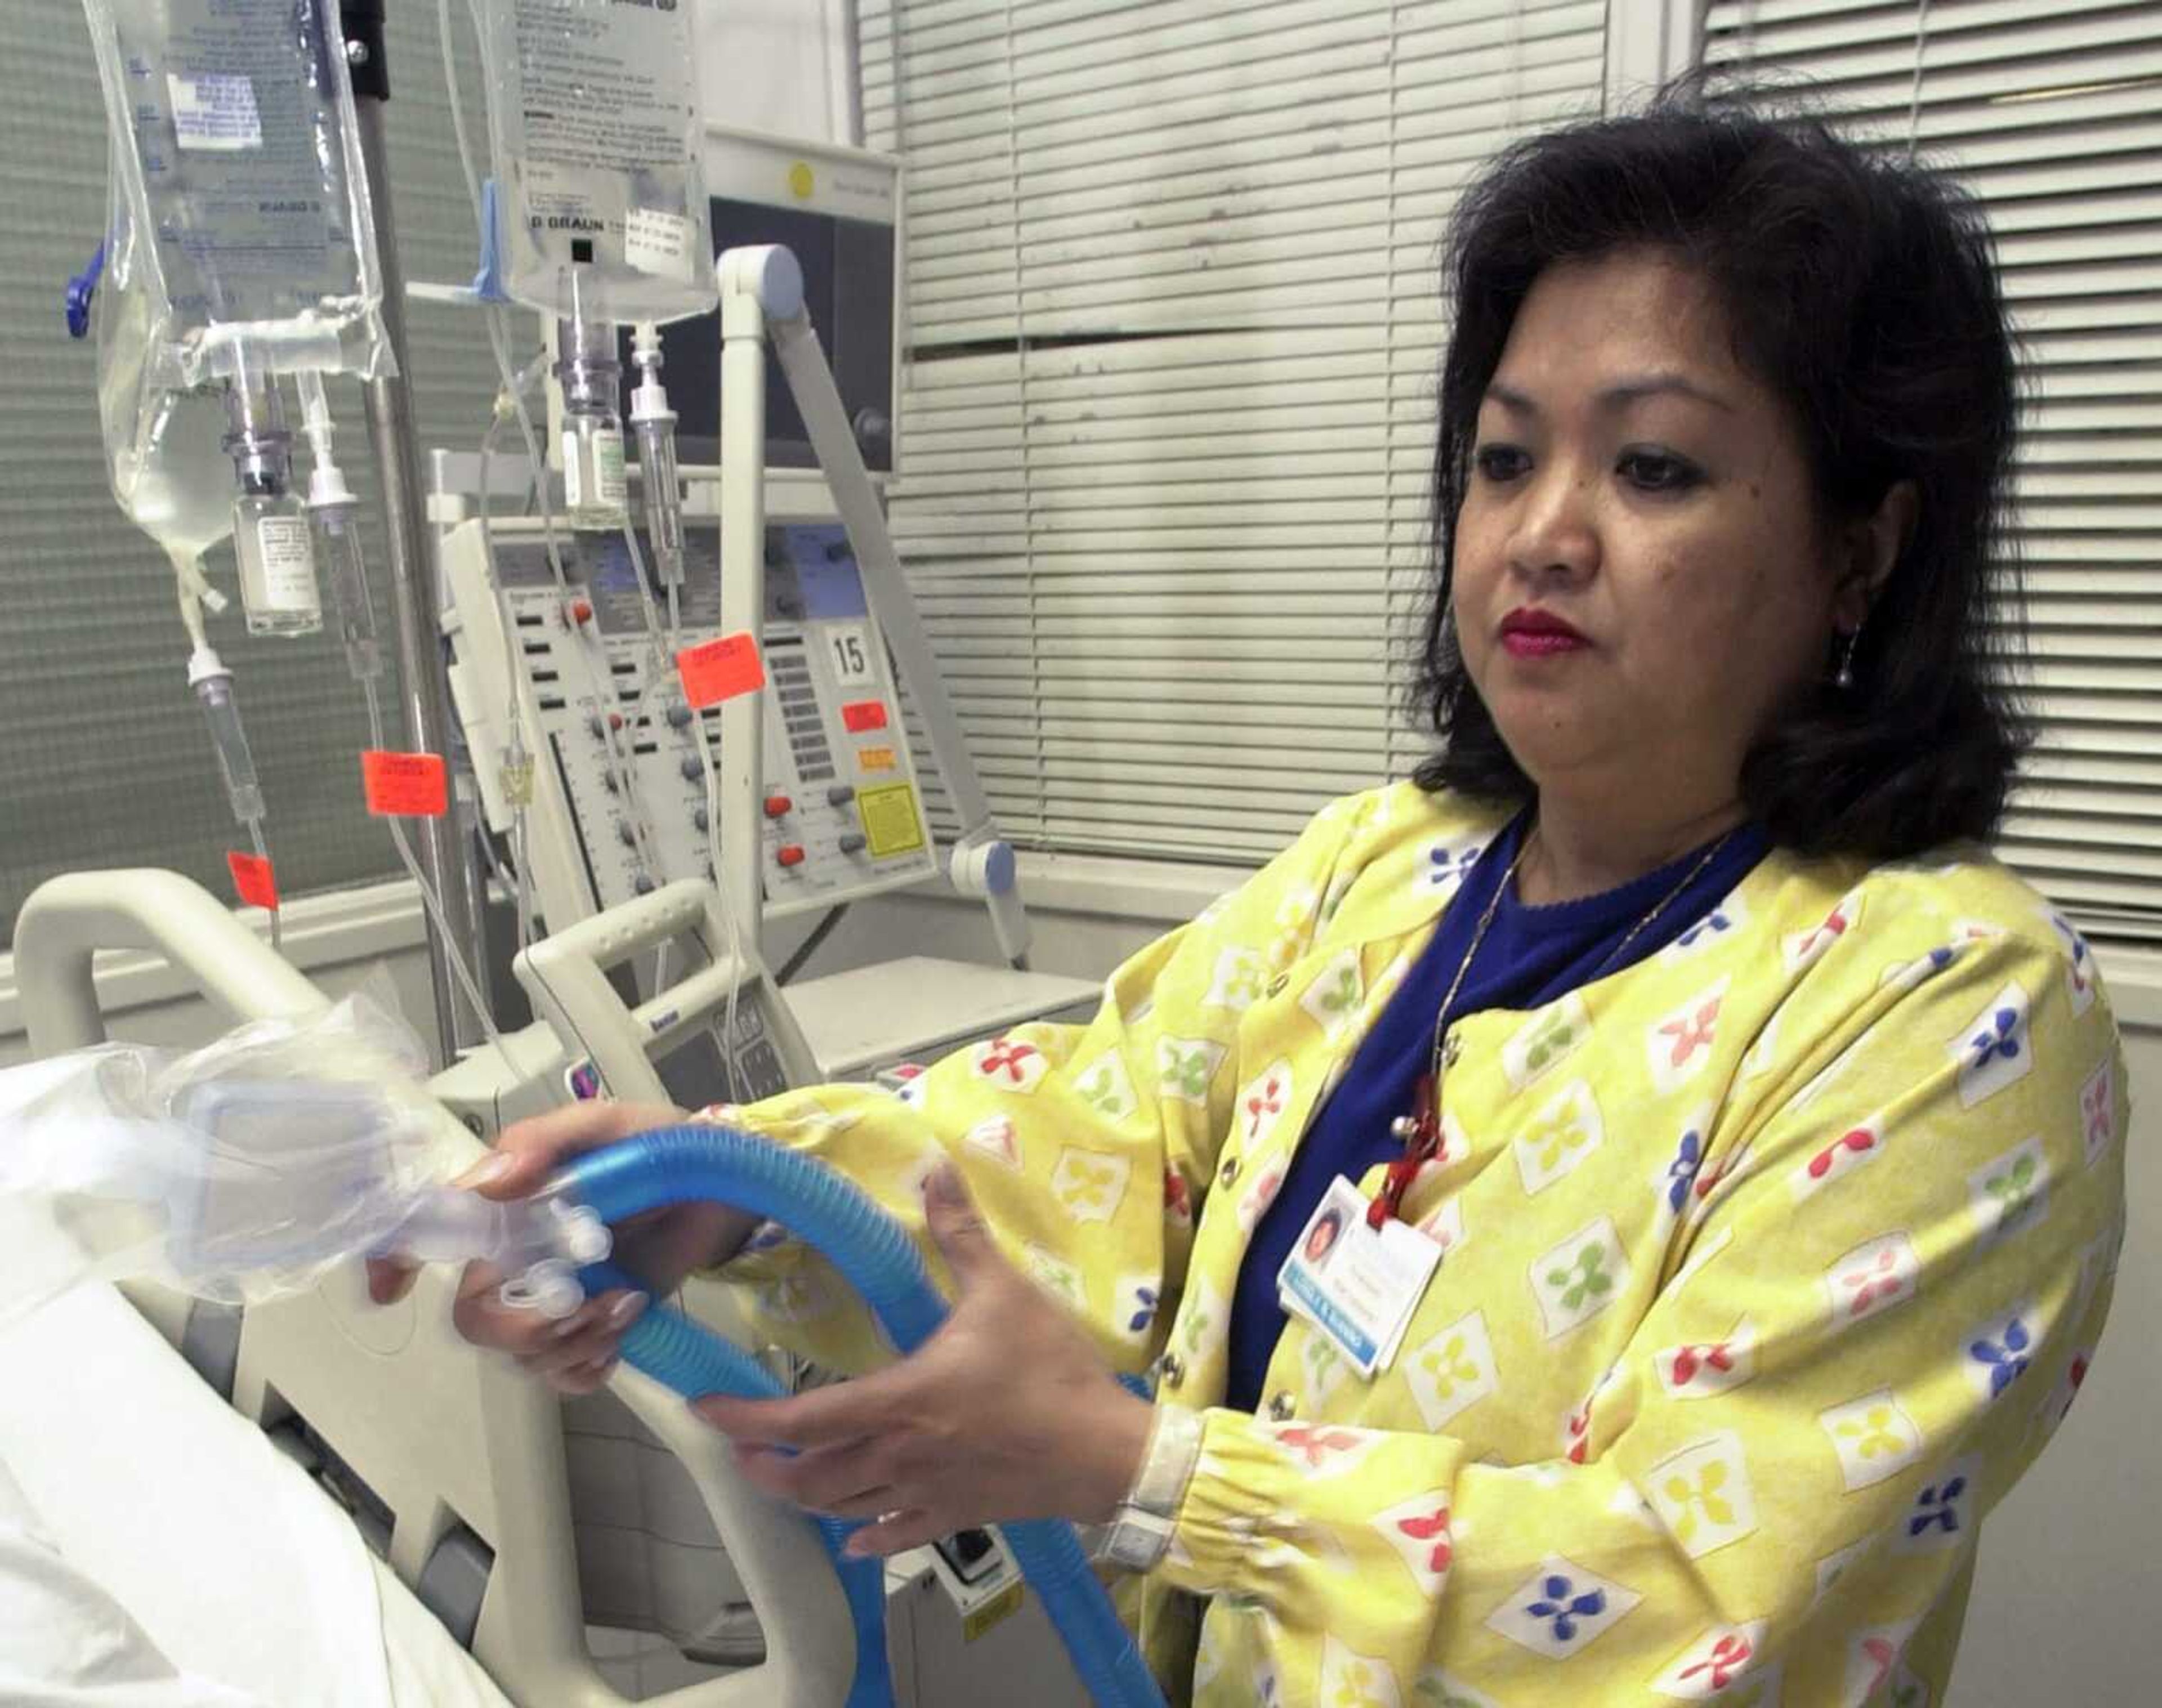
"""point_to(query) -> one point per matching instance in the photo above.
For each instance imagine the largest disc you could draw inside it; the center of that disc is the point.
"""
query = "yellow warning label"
(890, 820)
(1001, 1606)
(876, 759)
(801, 181)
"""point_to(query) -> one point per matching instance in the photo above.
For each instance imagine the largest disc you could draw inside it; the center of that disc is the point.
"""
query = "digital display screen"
(810, 571)
(694, 1072)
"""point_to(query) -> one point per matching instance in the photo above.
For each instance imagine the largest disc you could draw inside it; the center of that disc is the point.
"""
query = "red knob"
(791, 855)
(582, 610)
(779, 806)
(615, 720)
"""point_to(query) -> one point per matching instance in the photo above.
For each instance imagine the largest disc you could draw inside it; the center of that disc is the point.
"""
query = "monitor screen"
(849, 289)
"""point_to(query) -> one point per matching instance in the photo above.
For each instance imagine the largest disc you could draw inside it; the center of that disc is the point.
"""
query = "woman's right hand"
(577, 1354)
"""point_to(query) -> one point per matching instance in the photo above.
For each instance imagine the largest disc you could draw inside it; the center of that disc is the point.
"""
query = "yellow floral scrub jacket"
(1771, 1262)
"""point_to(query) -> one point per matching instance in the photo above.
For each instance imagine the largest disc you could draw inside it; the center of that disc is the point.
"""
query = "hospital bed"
(227, 1552)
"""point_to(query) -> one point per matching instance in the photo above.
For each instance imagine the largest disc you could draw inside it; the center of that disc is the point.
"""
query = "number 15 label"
(850, 652)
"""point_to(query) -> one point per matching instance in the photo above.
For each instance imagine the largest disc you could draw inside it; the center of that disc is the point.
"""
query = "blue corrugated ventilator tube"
(687, 1164)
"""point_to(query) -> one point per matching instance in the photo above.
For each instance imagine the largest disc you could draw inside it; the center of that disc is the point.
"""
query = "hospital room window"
(1172, 329)
(1172, 325)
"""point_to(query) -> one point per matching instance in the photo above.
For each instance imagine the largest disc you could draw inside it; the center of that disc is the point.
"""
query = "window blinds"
(2053, 115)
(1168, 426)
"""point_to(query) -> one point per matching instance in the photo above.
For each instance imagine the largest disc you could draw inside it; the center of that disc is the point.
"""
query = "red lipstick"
(1528, 632)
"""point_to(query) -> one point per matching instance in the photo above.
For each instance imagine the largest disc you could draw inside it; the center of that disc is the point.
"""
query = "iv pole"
(415, 598)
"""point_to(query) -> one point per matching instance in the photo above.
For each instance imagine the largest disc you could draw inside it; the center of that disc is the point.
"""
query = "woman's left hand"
(1007, 1413)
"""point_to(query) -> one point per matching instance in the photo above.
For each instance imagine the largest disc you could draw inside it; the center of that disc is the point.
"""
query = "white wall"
(2060, 1612)
(783, 67)
(2057, 1613)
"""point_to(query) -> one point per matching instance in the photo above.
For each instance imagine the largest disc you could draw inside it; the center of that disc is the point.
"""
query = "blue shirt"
(1530, 957)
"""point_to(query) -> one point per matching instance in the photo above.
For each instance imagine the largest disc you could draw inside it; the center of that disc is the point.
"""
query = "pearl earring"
(1842, 677)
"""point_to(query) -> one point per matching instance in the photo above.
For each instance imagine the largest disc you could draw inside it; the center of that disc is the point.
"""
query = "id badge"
(1356, 1284)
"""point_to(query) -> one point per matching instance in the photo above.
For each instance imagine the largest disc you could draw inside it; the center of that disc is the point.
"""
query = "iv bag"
(238, 201)
(164, 442)
(594, 121)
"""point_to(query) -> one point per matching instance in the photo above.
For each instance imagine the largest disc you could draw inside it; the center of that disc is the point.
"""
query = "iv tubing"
(263, 852)
(316, 424)
(702, 738)
(458, 108)
(625, 775)
(675, 1165)
(429, 899)
(514, 752)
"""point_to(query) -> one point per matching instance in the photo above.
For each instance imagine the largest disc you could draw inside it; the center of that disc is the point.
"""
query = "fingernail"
(626, 1310)
(945, 1182)
(857, 1547)
(571, 1324)
(485, 1172)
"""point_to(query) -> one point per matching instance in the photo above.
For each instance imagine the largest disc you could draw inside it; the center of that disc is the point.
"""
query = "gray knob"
(690, 768)
(853, 844)
(643, 885)
(702, 818)
(679, 716)
(840, 794)
(629, 836)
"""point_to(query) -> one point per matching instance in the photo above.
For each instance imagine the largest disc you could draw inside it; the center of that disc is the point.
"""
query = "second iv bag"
(597, 134)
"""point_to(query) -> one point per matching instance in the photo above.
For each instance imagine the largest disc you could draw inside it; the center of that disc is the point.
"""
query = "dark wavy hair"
(1861, 291)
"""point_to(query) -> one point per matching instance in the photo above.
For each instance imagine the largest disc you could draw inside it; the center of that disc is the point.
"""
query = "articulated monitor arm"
(762, 297)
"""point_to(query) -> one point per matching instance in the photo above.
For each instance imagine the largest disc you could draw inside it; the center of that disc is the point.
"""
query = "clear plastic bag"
(598, 151)
(164, 449)
(240, 213)
(246, 1170)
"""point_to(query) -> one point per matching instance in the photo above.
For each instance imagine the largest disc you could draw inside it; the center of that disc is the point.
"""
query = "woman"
(1771, 1131)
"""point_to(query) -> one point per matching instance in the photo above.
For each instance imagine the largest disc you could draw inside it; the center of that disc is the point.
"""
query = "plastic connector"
(327, 487)
(541, 1244)
(82, 290)
(488, 281)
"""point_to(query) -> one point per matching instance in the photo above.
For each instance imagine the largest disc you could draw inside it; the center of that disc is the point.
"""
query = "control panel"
(595, 677)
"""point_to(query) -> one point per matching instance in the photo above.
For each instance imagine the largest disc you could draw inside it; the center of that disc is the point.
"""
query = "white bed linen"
(238, 1568)
(66, 1643)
